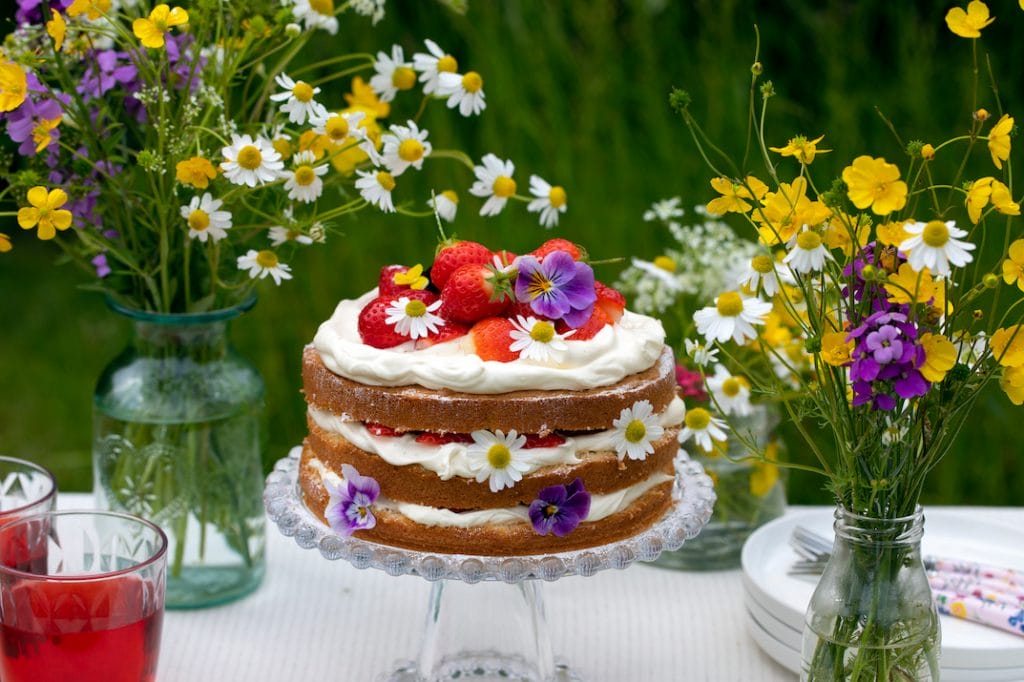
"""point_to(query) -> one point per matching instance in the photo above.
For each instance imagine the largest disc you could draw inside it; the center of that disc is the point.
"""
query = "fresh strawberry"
(452, 255)
(552, 440)
(598, 320)
(381, 430)
(428, 438)
(450, 330)
(472, 293)
(557, 244)
(373, 327)
(610, 300)
(386, 283)
(521, 309)
(492, 338)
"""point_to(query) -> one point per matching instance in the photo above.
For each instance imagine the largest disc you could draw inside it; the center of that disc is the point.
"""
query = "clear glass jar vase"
(178, 439)
(871, 616)
(749, 494)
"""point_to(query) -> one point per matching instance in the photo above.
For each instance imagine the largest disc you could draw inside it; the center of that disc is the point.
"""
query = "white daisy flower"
(263, 263)
(537, 340)
(664, 210)
(251, 162)
(463, 91)
(403, 147)
(304, 183)
(935, 245)
(393, 74)
(316, 14)
(497, 458)
(280, 234)
(494, 181)
(413, 317)
(432, 65)
(446, 204)
(375, 187)
(760, 271)
(808, 253)
(701, 355)
(205, 220)
(635, 429)
(704, 428)
(732, 393)
(733, 316)
(550, 201)
(369, 8)
(298, 99)
(660, 272)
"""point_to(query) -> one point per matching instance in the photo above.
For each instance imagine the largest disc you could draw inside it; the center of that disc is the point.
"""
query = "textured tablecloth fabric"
(314, 619)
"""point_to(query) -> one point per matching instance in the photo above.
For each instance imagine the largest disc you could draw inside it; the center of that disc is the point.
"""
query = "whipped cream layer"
(452, 459)
(627, 347)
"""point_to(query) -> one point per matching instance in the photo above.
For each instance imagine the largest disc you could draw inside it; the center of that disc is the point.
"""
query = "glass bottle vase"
(871, 616)
(178, 439)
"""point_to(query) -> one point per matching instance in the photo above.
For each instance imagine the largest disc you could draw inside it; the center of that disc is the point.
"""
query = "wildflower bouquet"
(900, 304)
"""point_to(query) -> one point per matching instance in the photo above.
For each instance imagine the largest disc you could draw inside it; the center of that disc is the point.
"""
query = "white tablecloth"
(314, 619)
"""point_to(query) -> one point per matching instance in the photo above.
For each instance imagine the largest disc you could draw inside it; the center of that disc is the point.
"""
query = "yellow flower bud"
(981, 115)
(927, 152)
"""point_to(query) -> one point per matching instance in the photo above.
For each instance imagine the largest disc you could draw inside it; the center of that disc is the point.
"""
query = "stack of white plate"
(776, 602)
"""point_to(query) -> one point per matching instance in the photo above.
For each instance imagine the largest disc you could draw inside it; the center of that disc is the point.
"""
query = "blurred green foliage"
(577, 92)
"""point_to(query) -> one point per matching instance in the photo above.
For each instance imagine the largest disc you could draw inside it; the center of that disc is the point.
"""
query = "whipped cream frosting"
(452, 459)
(627, 347)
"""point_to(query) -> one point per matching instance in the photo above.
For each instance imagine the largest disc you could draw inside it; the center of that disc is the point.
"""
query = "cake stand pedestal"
(495, 630)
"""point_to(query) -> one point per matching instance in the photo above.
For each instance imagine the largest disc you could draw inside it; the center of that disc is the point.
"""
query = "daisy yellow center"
(665, 263)
(635, 431)
(731, 387)
(499, 456)
(249, 157)
(761, 264)
(410, 150)
(325, 7)
(935, 234)
(199, 220)
(304, 175)
(415, 308)
(450, 196)
(303, 91)
(403, 78)
(472, 82)
(543, 332)
(266, 259)
(698, 419)
(337, 128)
(447, 64)
(556, 197)
(504, 186)
(385, 180)
(808, 240)
(730, 304)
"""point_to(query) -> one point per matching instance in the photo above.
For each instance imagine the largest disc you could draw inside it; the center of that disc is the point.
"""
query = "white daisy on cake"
(263, 263)
(304, 183)
(807, 252)
(375, 187)
(537, 340)
(733, 316)
(550, 201)
(251, 161)
(446, 204)
(316, 14)
(463, 91)
(405, 146)
(704, 428)
(205, 220)
(494, 181)
(731, 393)
(497, 458)
(298, 98)
(635, 429)
(413, 317)
(432, 65)
(935, 245)
(393, 74)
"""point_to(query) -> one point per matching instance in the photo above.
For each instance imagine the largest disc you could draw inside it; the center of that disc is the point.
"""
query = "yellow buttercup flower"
(1013, 266)
(57, 27)
(1008, 346)
(835, 349)
(969, 24)
(45, 212)
(196, 172)
(939, 357)
(92, 9)
(907, 286)
(363, 96)
(999, 140)
(875, 183)
(735, 197)
(978, 195)
(775, 334)
(1002, 200)
(838, 232)
(802, 148)
(784, 212)
(765, 474)
(1012, 382)
(928, 150)
(5, 243)
(347, 156)
(13, 86)
(892, 234)
(151, 31)
(413, 278)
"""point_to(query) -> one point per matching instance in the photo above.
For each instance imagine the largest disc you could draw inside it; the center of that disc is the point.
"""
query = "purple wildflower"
(886, 359)
(559, 509)
(33, 124)
(558, 287)
(691, 384)
(31, 11)
(184, 73)
(107, 70)
(350, 502)
(100, 263)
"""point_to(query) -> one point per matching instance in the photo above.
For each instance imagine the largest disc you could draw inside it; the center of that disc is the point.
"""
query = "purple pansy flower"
(350, 503)
(558, 287)
(559, 509)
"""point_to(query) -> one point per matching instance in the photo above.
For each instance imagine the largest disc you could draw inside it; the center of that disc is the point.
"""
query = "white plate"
(767, 556)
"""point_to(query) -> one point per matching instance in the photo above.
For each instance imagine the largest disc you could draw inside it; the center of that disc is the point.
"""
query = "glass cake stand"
(497, 630)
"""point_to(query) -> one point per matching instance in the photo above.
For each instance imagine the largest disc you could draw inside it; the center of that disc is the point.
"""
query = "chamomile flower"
(279, 235)
(760, 272)
(446, 204)
(403, 147)
(413, 317)
(375, 186)
(263, 263)
(205, 219)
(732, 393)
(550, 201)
(432, 65)
(338, 127)
(298, 100)
(661, 269)
(701, 355)
(497, 458)
(369, 8)
(494, 181)
(316, 14)
(635, 429)
(537, 340)
(733, 316)
(808, 253)
(251, 162)
(703, 428)
(935, 245)
(304, 183)
(465, 91)
(393, 74)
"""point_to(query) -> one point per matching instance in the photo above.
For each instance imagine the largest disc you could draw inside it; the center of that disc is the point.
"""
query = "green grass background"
(577, 92)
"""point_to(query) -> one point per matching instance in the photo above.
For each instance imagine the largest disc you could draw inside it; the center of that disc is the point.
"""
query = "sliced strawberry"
(492, 338)
(386, 282)
(552, 440)
(598, 320)
(470, 294)
(453, 255)
(373, 327)
(381, 430)
(610, 300)
(557, 244)
(450, 330)
(428, 438)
